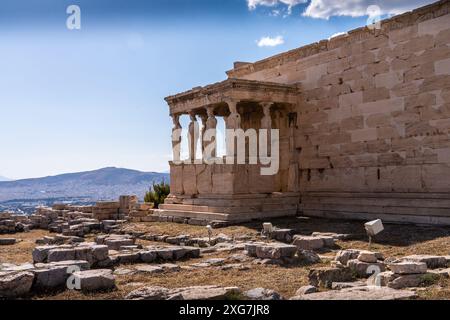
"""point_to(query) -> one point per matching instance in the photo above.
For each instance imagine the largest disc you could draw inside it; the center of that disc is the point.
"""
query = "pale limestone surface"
(364, 122)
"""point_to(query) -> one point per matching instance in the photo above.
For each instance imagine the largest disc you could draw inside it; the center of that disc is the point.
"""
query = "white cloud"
(270, 42)
(252, 4)
(275, 13)
(324, 9)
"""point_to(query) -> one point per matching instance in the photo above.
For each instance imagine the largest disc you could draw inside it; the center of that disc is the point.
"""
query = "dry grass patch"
(284, 280)
(395, 241)
(21, 251)
(176, 229)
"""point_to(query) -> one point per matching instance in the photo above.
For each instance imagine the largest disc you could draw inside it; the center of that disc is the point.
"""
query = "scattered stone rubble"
(112, 251)
(21, 280)
(94, 265)
(13, 223)
(351, 264)
(51, 264)
(202, 242)
(362, 263)
(403, 274)
(72, 220)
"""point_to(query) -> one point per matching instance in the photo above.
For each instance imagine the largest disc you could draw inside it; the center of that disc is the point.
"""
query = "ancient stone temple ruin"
(363, 120)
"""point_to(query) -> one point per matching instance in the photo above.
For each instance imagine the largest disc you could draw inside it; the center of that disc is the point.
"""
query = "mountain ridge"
(101, 175)
(101, 184)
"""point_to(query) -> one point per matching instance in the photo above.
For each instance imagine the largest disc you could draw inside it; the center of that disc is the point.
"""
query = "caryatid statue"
(193, 136)
(203, 117)
(233, 121)
(211, 126)
(176, 138)
(266, 121)
(266, 124)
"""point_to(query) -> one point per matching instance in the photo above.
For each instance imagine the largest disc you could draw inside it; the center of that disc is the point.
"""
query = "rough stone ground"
(395, 241)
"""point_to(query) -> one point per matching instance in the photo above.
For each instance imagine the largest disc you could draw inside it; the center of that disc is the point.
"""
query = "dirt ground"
(395, 241)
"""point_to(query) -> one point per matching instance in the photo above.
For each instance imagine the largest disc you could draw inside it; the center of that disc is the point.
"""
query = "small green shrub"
(429, 279)
(157, 194)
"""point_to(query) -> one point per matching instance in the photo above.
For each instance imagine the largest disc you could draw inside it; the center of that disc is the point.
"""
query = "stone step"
(388, 202)
(378, 195)
(220, 202)
(364, 216)
(235, 217)
(190, 214)
(377, 209)
(229, 210)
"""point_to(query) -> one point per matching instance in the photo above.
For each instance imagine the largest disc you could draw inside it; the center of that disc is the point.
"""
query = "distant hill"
(2, 178)
(102, 184)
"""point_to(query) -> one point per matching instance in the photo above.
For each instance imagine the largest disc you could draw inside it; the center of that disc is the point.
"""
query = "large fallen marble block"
(360, 293)
(7, 241)
(365, 269)
(272, 250)
(275, 251)
(54, 275)
(432, 262)
(95, 280)
(90, 252)
(262, 294)
(15, 284)
(408, 267)
(324, 277)
(313, 242)
(188, 293)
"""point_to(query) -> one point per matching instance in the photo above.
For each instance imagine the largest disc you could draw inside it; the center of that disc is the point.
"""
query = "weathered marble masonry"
(364, 122)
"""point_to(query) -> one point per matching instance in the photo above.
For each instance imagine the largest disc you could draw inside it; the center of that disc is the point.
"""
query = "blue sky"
(75, 100)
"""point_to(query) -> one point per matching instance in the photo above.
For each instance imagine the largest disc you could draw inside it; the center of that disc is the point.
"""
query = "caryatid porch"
(208, 191)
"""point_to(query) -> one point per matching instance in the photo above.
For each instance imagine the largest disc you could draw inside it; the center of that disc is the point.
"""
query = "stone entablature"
(232, 89)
